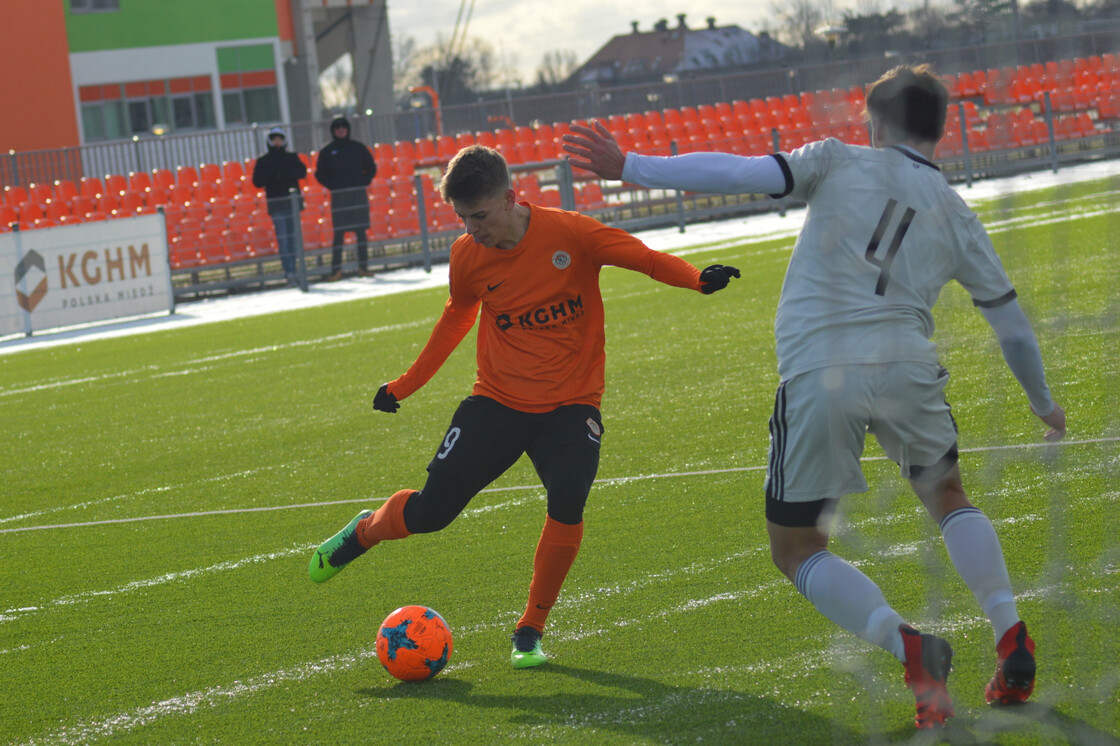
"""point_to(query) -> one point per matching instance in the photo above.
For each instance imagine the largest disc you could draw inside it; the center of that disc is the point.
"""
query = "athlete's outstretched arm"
(597, 151)
(1022, 355)
(454, 323)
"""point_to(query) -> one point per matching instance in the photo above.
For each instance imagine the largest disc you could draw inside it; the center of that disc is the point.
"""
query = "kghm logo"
(31, 261)
(545, 316)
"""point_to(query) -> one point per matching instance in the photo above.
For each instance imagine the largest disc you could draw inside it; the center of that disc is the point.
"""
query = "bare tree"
(337, 84)
(454, 73)
(556, 66)
(404, 52)
(799, 19)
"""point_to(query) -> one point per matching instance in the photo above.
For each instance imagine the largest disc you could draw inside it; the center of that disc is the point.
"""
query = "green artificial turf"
(200, 625)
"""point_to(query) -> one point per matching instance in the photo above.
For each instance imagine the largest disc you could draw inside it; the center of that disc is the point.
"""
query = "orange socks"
(387, 522)
(556, 551)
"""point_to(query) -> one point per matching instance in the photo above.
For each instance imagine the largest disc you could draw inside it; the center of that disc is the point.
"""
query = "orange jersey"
(540, 341)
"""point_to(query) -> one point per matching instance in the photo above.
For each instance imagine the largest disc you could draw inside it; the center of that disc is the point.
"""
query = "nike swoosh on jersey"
(492, 288)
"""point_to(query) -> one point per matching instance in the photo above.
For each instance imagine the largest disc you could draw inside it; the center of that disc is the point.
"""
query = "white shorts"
(821, 418)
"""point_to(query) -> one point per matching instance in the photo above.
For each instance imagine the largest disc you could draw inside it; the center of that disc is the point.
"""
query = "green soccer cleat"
(338, 551)
(527, 648)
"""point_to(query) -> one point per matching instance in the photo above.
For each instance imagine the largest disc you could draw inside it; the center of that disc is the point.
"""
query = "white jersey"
(884, 232)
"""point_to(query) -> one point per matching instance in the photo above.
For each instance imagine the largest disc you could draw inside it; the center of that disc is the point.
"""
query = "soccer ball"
(414, 643)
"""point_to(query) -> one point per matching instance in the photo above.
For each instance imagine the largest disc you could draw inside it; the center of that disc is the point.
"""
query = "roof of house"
(666, 50)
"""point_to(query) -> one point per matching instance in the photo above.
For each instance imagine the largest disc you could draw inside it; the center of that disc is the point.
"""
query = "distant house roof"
(665, 49)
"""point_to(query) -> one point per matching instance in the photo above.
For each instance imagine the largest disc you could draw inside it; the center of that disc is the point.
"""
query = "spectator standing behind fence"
(278, 172)
(346, 168)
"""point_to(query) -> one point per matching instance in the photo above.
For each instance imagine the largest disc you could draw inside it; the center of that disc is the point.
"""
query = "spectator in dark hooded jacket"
(278, 172)
(346, 168)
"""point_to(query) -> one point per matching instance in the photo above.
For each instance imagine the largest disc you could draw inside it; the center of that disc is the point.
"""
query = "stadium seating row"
(215, 214)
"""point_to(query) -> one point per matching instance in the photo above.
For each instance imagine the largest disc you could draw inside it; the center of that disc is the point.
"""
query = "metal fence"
(510, 108)
(414, 228)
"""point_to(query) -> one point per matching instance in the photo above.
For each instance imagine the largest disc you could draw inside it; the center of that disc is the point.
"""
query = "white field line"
(214, 697)
(140, 493)
(599, 482)
(77, 598)
(199, 365)
(588, 597)
(189, 703)
(194, 366)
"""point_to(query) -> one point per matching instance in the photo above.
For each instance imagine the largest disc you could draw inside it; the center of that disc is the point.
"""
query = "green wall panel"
(245, 58)
(154, 23)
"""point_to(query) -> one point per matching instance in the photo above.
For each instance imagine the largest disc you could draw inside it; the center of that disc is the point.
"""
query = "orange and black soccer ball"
(414, 643)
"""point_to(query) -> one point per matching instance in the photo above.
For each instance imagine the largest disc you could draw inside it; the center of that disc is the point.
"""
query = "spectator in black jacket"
(278, 172)
(346, 168)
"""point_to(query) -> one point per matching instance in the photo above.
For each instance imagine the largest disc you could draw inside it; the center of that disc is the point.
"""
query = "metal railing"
(504, 109)
(251, 261)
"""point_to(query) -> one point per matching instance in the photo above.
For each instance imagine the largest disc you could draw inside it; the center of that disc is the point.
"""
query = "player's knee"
(783, 554)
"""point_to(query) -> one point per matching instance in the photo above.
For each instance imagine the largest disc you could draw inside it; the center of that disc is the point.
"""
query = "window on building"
(250, 105)
(93, 122)
(249, 84)
(262, 104)
(139, 117)
(94, 6)
(204, 111)
(116, 111)
(232, 107)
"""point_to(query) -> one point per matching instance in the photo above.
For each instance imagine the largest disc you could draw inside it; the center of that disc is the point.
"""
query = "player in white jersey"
(883, 234)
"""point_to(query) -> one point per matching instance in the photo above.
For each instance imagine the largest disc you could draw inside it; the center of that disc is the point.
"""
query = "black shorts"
(486, 438)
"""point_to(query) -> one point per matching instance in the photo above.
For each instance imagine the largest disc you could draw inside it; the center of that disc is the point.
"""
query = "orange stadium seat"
(130, 202)
(41, 193)
(205, 191)
(15, 195)
(209, 173)
(65, 190)
(162, 178)
(233, 171)
(184, 253)
(90, 186)
(139, 181)
(228, 189)
(116, 184)
(487, 138)
(426, 152)
(108, 202)
(445, 147)
(157, 198)
(186, 176)
(29, 211)
(82, 205)
(181, 194)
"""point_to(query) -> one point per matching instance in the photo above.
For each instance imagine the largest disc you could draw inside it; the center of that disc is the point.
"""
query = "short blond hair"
(475, 173)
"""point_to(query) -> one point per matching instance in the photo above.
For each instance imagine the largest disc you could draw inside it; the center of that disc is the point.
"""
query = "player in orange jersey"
(534, 274)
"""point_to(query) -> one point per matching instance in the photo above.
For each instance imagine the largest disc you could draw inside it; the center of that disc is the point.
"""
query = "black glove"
(384, 401)
(716, 277)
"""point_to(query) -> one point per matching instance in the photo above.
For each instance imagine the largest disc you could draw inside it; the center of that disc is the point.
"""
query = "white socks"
(849, 598)
(852, 600)
(976, 554)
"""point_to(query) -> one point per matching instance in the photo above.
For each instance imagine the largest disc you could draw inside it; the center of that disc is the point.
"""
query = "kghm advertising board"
(81, 274)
